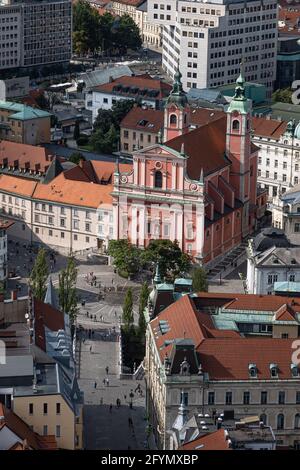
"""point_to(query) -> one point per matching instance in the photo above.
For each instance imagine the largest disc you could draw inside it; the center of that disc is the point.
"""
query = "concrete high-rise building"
(35, 32)
(209, 39)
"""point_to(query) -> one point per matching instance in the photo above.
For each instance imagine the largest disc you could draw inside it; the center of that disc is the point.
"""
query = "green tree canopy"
(128, 318)
(284, 95)
(126, 256)
(76, 157)
(172, 261)
(39, 275)
(200, 283)
(86, 27)
(67, 289)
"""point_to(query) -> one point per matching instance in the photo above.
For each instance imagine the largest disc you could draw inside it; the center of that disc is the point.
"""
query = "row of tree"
(93, 32)
(67, 283)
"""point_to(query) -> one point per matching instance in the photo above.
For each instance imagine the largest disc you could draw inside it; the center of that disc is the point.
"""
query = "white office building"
(208, 40)
(35, 32)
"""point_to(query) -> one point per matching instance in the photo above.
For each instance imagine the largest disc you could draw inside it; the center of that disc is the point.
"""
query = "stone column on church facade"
(199, 231)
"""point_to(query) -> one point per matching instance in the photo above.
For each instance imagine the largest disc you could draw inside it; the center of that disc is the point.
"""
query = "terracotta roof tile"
(30, 154)
(208, 140)
(78, 193)
(16, 185)
(138, 82)
(270, 128)
(213, 441)
(153, 119)
(224, 354)
(46, 316)
(285, 313)
(22, 430)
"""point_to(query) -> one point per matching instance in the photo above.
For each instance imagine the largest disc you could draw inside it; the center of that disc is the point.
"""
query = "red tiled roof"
(46, 316)
(213, 441)
(153, 119)
(103, 171)
(271, 128)
(205, 148)
(290, 15)
(139, 82)
(224, 354)
(78, 193)
(23, 431)
(285, 313)
(199, 117)
(229, 359)
(25, 154)
(264, 303)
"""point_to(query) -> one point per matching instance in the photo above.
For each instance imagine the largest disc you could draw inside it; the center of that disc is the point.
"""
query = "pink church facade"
(197, 187)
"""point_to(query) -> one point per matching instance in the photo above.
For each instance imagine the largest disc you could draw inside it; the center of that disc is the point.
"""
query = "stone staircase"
(229, 260)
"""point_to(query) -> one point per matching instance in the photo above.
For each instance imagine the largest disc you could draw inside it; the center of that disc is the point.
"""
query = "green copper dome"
(177, 95)
(239, 101)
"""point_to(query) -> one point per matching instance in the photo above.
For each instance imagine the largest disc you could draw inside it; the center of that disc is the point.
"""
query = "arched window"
(173, 119)
(263, 418)
(280, 421)
(158, 179)
(235, 125)
(297, 421)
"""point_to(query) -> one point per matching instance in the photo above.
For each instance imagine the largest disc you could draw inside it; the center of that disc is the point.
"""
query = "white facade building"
(271, 266)
(35, 32)
(208, 40)
(279, 156)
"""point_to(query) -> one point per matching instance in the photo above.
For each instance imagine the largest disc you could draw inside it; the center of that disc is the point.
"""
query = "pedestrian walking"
(90, 348)
(95, 384)
(107, 369)
(101, 401)
(110, 408)
(104, 382)
(130, 422)
(107, 382)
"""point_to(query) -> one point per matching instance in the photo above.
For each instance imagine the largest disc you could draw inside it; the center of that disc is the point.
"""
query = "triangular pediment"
(158, 150)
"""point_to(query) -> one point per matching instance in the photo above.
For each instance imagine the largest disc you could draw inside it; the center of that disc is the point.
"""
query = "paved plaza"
(100, 311)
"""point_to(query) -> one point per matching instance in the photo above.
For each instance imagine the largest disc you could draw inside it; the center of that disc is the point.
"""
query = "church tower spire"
(238, 146)
(177, 111)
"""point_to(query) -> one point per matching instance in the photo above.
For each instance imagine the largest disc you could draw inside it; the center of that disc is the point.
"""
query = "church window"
(158, 179)
(235, 125)
(173, 119)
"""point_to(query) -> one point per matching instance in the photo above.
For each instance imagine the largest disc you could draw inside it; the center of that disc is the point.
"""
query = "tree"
(76, 132)
(127, 33)
(172, 261)
(103, 120)
(128, 311)
(86, 27)
(67, 289)
(119, 110)
(76, 157)
(200, 283)
(284, 95)
(144, 294)
(126, 256)
(39, 275)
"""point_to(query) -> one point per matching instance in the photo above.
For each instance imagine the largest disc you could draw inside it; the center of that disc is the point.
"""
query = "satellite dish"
(26, 316)
(298, 42)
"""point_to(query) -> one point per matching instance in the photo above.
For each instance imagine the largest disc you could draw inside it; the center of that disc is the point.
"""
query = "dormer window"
(294, 370)
(253, 371)
(274, 370)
